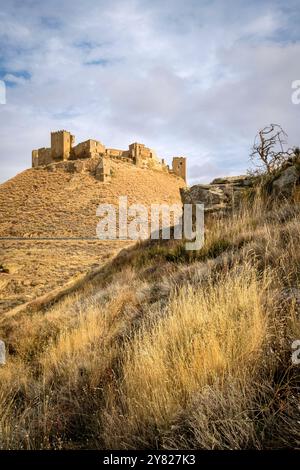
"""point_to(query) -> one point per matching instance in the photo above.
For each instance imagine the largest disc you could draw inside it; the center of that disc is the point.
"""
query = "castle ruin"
(63, 149)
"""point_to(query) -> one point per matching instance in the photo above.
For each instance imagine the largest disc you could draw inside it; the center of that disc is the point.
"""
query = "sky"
(190, 78)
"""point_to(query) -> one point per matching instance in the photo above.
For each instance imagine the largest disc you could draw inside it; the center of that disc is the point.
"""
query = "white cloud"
(193, 78)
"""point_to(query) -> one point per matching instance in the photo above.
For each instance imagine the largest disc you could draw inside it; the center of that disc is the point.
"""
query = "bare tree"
(268, 151)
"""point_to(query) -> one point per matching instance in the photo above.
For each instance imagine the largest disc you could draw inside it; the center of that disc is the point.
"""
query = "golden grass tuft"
(204, 337)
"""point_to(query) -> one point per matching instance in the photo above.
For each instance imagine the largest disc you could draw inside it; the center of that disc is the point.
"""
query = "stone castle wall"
(63, 149)
(87, 149)
(41, 157)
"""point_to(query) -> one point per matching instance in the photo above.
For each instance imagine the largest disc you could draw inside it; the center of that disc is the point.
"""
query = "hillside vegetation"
(166, 348)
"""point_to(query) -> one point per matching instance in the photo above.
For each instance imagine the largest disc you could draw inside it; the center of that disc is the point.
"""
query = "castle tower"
(179, 167)
(135, 153)
(61, 145)
(35, 158)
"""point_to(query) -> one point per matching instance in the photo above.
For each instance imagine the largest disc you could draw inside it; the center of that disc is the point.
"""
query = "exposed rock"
(208, 195)
(225, 193)
(285, 183)
(3, 269)
(221, 194)
(242, 180)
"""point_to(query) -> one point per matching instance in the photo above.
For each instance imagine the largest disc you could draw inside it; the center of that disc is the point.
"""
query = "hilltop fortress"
(63, 150)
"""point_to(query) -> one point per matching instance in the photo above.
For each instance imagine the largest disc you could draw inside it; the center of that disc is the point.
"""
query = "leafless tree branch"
(269, 149)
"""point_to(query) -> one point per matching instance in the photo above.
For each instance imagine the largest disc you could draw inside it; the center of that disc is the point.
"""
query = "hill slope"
(44, 204)
(167, 348)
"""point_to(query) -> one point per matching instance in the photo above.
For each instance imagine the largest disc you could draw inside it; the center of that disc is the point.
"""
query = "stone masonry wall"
(62, 149)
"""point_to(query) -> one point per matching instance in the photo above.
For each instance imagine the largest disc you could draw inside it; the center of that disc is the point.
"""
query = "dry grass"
(204, 336)
(164, 351)
(42, 204)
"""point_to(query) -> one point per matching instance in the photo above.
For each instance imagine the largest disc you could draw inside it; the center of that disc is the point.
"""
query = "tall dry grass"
(204, 337)
(164, 351)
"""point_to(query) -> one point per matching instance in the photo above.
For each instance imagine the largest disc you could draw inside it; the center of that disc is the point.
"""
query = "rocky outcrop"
(285, 183)
(222, 194)
(241, 181)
